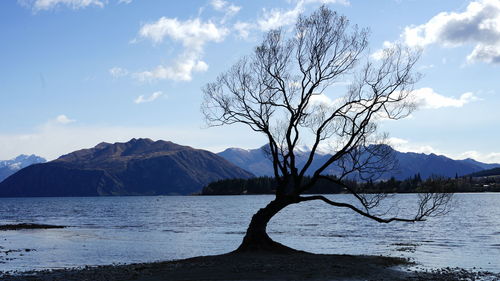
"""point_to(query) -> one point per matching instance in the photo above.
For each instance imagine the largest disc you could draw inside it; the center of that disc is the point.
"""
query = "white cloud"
(428, 99)
(321, 99)
(485, 53)
(180, 70)
(63, 119)
(404, 145)
(218, 4)
(39, 5)
(243, 29)
(193, 35)
(228, 9)
(426, 149)
(118, 72)
(276, 18)
(478, 25)
(493, 157)
(124, 1)
(397, 141)
(152, 97)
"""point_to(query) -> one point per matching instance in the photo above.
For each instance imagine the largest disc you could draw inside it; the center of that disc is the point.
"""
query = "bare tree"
(277, 91)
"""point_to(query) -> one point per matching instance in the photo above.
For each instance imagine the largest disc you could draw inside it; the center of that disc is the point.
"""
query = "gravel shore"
(259, 266)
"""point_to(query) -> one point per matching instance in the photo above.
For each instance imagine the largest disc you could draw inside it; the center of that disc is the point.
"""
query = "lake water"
(106, 230)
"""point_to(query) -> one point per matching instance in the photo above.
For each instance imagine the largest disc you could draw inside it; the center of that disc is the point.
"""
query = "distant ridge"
(409, 163)
(9, 167)
(136, 167)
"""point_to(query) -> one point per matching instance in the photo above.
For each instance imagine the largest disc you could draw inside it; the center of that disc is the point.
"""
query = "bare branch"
(432, 205)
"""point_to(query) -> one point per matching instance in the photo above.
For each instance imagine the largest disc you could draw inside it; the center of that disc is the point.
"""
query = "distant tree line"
(415, 184)
(487, 173)
(266, 185)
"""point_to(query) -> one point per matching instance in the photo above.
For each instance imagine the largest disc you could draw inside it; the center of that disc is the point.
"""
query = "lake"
(106, 230)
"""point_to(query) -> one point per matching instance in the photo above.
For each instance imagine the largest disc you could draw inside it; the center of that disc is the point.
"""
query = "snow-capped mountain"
(408, 163)
(9, 167)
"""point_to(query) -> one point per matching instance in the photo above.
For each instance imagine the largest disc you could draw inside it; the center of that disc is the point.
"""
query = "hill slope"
(137, 167)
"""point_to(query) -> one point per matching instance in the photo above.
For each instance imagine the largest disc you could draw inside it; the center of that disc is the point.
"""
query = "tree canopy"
(279, 91)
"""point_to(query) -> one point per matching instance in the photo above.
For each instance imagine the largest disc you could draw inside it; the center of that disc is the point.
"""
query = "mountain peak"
(102, 145)
(142, 147)
(136, 167)
(26, 157)
(141, 141)
(236, 149)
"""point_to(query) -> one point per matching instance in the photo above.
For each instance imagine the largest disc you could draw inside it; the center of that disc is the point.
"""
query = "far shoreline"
(223, 195)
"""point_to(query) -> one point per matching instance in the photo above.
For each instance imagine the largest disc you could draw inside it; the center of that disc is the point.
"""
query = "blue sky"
(74, 73)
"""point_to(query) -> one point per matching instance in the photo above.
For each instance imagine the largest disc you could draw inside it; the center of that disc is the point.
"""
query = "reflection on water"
(106, 230)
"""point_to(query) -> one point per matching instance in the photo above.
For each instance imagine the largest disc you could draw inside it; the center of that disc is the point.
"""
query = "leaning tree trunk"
(256, 238)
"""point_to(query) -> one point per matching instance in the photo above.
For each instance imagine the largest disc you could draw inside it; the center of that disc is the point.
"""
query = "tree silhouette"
(278, 91)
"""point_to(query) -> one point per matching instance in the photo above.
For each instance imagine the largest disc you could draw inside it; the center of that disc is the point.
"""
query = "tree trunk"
(256, 238)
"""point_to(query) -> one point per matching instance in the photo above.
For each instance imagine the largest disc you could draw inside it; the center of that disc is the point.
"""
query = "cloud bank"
(478, 25)
(404, 145)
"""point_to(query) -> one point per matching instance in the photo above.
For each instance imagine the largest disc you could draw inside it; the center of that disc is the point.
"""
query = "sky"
(74, 73)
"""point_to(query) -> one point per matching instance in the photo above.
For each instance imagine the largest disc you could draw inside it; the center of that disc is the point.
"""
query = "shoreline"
(258, 266)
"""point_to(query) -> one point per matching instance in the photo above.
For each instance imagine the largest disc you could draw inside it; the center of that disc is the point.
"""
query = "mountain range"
(146, 167)
(408, 163)
(9, 167)
(137, 167)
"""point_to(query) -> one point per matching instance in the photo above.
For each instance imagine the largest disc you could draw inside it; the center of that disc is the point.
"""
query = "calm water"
(106, 230)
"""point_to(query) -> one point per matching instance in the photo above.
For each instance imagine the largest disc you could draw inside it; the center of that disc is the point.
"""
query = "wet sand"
(259, 266)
